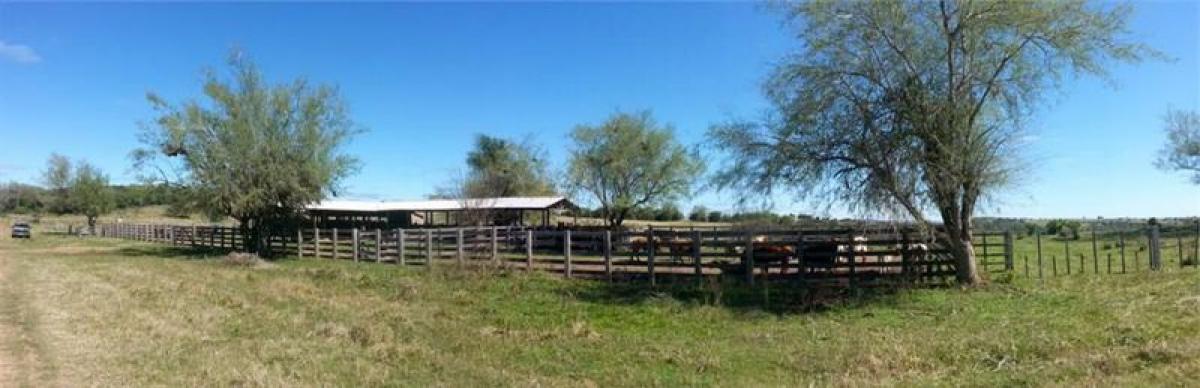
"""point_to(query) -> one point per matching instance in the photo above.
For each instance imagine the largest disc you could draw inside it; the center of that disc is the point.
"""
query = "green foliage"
(21, 198)
(253, 151)
(1182, 151)
(630, 162)
(1068, 229)
(715, 216)
(503, 168)
(699, 213)
(57, 178)
(90, 193)
(668, 212)
(899, 107)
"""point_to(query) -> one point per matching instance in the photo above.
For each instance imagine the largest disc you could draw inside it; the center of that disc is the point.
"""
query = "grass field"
(105, 312)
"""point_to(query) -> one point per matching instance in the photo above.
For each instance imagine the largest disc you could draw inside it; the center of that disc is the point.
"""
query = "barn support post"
(608, 255)
(567, 252)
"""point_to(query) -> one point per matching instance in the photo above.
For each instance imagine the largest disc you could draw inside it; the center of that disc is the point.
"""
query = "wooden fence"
(843, 257)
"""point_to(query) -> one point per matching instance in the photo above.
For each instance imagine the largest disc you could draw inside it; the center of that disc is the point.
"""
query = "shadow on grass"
(182, 252)
(779, 297)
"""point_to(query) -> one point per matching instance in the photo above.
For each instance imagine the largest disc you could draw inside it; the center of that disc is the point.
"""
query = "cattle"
(676, 247)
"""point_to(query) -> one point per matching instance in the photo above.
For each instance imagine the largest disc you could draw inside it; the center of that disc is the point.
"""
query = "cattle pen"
(844, 257)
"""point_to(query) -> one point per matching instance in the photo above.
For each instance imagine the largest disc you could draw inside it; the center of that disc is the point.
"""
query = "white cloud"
(18, 53)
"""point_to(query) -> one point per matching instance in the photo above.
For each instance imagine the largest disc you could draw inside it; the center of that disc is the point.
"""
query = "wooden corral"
(843, 257)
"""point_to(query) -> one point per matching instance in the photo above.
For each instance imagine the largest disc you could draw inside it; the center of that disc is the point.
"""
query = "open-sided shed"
(437, 212)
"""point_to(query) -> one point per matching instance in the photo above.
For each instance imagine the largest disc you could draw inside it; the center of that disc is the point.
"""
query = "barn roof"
(509, 203)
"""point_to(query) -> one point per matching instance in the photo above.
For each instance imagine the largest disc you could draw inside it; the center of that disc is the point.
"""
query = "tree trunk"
(966, 269)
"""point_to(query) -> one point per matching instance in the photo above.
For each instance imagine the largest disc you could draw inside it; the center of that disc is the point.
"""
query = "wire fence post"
(1155, 249)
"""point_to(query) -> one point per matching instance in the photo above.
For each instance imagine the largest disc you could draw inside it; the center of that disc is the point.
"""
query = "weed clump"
(242, 259)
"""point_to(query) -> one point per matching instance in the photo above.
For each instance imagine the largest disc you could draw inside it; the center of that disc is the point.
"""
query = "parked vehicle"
(21, 230)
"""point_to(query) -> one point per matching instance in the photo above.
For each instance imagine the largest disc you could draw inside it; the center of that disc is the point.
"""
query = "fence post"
(608, 255)
(428, 248)
(749, 264)
(335, 244)
(1095, 251)
(696, 256)
(378, 245)
(1037, 234)
(495, 243)
(1179, 244)
(529, 250)
(567, 251)
(1155, 251)
(400, 245)
(317, 243)
(458, 246)
(801, 266)
(1121, 241)
(1008, 251)
(853, 260)
(354, 242)
(650, 254)
(299, 242)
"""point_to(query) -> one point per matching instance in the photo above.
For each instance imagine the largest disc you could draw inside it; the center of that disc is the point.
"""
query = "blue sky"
(424, 78)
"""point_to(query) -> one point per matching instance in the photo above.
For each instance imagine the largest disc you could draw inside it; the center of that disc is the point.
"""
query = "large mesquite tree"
(630, 162)
(912, 108)
(253, 151)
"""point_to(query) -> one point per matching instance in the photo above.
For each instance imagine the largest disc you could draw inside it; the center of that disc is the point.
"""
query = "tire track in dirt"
(7, 330)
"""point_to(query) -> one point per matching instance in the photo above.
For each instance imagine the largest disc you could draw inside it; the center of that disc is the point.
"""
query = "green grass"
(106, 312)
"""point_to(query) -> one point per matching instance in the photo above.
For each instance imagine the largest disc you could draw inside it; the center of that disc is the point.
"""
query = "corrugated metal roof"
(440, 204)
